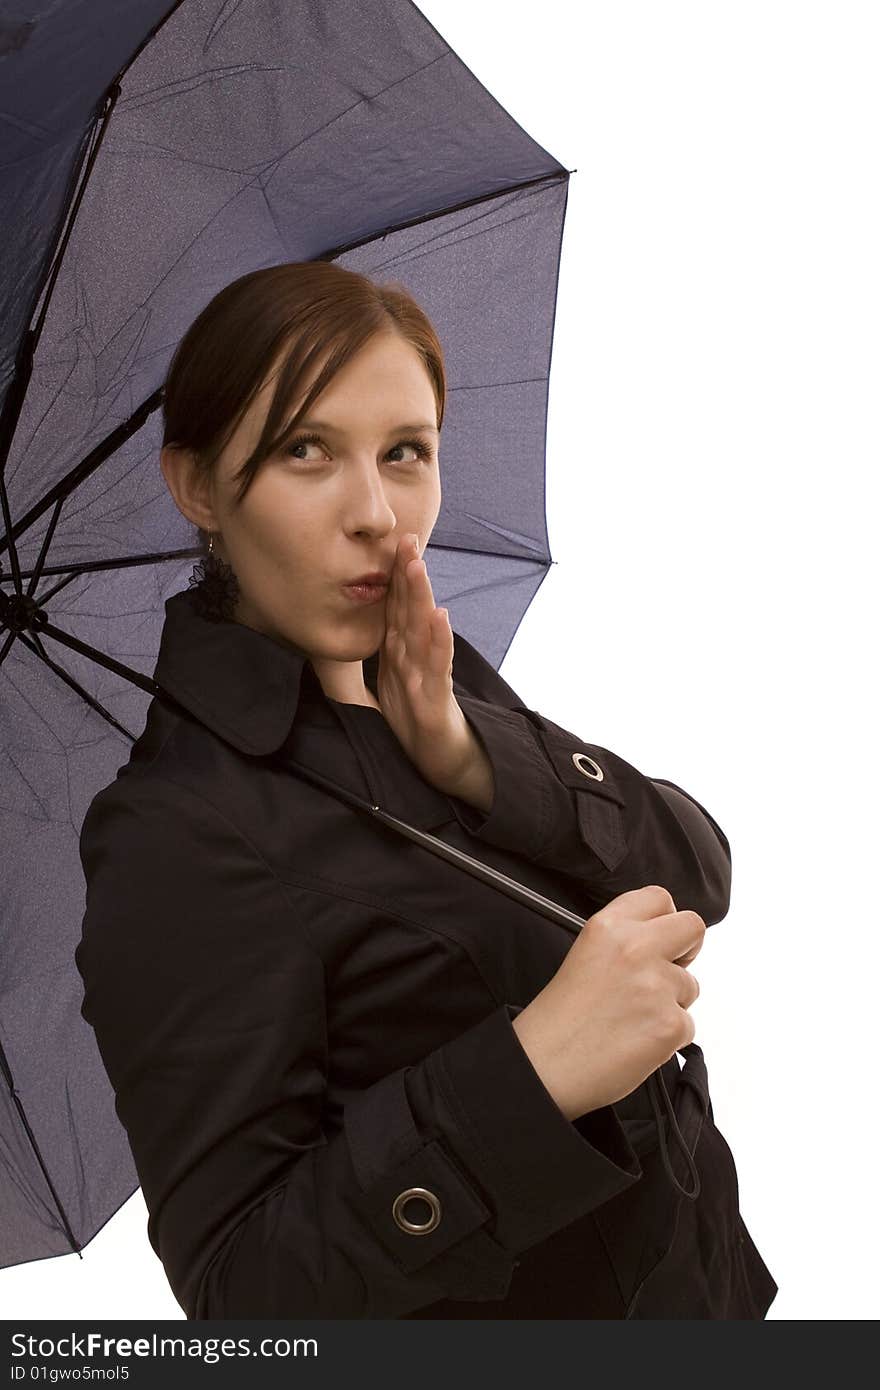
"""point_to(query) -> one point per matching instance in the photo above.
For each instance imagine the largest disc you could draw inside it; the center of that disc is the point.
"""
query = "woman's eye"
(302, 443)
(406, 445)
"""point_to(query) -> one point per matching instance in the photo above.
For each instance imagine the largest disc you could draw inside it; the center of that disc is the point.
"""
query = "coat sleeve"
(583, 810)
(209, 1005)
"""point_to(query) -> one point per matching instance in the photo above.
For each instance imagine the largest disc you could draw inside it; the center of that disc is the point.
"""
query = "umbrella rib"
(78, 181)
(117, 562)
(50, 531)
(83, 469)
(491, 554)
(347, 246)
(36, 646)
(7, 1072)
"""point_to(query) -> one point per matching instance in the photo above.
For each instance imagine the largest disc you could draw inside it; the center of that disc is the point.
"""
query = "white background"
(712, 466)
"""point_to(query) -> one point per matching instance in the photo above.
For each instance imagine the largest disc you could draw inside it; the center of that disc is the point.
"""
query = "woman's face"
(322, 512)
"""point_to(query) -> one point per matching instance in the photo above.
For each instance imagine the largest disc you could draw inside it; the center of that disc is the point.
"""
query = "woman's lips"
(365, 593)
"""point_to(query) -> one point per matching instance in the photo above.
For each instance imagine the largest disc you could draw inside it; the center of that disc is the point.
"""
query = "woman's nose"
(366, 500)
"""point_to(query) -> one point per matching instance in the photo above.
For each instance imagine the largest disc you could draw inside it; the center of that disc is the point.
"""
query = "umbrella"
(150, 155)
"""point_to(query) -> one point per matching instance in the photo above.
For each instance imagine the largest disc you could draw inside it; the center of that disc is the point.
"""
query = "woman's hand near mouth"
(414, 686)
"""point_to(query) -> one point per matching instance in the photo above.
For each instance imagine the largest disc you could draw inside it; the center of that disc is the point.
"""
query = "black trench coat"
(304, 1015)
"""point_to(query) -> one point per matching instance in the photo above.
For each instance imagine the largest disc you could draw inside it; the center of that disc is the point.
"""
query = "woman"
(356, 1081)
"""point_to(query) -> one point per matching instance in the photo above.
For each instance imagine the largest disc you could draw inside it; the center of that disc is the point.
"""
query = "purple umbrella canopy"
(151, 154)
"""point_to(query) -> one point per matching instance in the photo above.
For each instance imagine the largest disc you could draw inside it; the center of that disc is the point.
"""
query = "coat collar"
(241, 683)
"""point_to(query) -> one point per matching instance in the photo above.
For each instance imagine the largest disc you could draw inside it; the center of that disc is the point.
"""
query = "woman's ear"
(188, 486)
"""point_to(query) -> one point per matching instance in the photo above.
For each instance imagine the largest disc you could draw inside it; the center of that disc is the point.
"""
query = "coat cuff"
(520, 817)
(473, 1147)
(538, 1170)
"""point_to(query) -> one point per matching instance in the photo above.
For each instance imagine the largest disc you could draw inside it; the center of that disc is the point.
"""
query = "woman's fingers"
(394, 624)
(403, 554)
(415, 675)
(438, 678)
(419, 609)
(436, 651)
(418, 635)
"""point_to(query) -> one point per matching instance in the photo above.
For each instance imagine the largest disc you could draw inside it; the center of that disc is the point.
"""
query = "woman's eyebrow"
(334, 429)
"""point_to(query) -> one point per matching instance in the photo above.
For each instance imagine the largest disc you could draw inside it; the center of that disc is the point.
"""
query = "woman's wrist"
(476, 786)
(523, 1026)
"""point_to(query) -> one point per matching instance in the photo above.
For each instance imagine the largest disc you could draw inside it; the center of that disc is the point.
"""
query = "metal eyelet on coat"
(415, 1228)
(598, 775)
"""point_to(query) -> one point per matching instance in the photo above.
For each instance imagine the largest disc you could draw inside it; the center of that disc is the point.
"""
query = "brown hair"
(311, 308)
